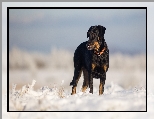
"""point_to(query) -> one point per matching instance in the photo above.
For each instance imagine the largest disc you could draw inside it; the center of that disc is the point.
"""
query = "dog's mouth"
(93, 45)
(89, 46)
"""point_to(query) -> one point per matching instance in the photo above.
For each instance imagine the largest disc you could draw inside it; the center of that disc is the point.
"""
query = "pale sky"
(43, 29)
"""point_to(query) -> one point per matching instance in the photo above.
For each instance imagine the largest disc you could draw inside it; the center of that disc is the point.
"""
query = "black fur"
(88, 58)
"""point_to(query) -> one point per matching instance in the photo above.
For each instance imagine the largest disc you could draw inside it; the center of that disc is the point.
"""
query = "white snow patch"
(115, 98)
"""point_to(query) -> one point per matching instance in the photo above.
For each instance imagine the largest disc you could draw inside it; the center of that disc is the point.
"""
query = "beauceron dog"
(91, 57)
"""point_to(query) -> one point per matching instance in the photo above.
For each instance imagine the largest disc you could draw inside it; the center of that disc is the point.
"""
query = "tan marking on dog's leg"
(84, 88)
(105, 68)
(93, 66)
(73, 90)
(100, 89)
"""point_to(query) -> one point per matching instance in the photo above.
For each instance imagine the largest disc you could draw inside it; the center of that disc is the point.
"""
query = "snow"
(41, 87)
(115, 98)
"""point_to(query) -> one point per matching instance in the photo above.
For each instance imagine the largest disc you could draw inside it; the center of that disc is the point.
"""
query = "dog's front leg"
(91, 83)
(102, 83)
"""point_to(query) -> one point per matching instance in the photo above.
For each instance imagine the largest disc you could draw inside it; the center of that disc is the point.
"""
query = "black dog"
(91, 57)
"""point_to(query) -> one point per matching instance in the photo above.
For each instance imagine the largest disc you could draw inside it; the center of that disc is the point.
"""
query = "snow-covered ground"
(40, 82)
(115, 98)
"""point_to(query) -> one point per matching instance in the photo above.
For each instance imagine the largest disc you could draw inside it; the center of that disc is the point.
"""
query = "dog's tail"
(71, 83)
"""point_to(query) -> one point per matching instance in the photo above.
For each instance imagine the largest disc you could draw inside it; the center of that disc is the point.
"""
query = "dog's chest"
(97, 66)
(94, 62)
(98, 60)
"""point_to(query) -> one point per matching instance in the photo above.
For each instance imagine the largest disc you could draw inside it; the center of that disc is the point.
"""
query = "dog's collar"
(100, 53)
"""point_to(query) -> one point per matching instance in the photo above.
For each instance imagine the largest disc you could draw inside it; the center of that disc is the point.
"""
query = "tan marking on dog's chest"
(96, 46)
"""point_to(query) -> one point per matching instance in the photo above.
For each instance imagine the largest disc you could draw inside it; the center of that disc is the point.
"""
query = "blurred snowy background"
(41, 47)
(47, 69)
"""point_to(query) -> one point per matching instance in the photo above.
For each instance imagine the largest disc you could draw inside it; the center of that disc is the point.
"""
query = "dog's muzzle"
(89, 46)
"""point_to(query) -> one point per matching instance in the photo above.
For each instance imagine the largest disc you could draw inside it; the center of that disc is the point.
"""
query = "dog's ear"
(101, 30)
(87, 34)
(89, 31)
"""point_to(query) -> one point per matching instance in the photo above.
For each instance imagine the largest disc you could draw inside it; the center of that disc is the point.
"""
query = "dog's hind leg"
(73, 90)
(85, 81)
(91, 83)
(77, 75)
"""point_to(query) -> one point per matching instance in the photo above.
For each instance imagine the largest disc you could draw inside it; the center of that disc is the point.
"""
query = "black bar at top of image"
(77, 7)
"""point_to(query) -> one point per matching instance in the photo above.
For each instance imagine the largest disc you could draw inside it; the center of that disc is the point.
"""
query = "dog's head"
(96, 37)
